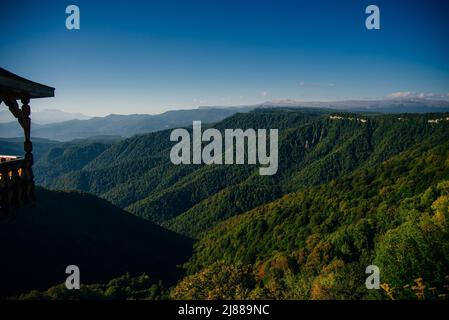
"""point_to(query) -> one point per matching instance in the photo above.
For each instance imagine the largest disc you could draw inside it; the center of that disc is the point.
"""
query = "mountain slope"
(74, 228)
(315, 147)
(309, 155)
(134, 168)
(316, 243)
(66, 157)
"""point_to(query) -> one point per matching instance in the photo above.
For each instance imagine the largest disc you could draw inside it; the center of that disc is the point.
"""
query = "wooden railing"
(16, 183)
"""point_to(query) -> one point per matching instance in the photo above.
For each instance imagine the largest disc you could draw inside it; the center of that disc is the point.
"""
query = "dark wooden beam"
(16, 87)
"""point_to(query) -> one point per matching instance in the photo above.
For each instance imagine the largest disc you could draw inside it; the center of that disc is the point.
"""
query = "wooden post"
(25, 122)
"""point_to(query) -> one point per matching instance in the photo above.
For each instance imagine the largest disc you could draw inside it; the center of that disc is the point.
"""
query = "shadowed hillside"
(80, 229)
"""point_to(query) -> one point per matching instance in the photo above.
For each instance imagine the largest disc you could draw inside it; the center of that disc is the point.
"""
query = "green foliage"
(418, 248)
(66, 157)
(121, 288)
(217, 281)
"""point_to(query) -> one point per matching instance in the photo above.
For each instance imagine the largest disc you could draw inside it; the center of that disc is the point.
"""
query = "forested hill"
(316, 146)
(352, 190)
(80, 229)
(317, 243)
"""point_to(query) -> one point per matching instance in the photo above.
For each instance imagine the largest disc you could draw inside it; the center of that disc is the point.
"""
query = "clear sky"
(150, 56)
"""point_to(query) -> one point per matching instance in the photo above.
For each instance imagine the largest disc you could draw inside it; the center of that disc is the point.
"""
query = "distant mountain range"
(115, 126)
(398, 105)
(119, 125)
(45, 116)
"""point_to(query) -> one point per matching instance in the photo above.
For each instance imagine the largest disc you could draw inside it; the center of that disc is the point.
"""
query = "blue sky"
(151, 56)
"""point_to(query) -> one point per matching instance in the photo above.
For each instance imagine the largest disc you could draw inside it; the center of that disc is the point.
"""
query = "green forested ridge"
(63, 158)
(316, 243)
(125, 287)
(334, 148)
(136, 173)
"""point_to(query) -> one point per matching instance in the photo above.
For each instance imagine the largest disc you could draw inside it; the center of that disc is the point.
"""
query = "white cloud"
(264, 93)
(400, 94)
(417, 95)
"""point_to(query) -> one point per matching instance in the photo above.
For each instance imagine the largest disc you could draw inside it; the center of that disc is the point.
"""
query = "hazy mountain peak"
(44, 116)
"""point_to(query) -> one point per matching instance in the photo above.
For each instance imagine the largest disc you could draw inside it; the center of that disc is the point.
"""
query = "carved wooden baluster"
(28, 147)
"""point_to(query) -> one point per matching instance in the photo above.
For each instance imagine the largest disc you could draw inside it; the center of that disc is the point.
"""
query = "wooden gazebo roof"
(16, 87)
